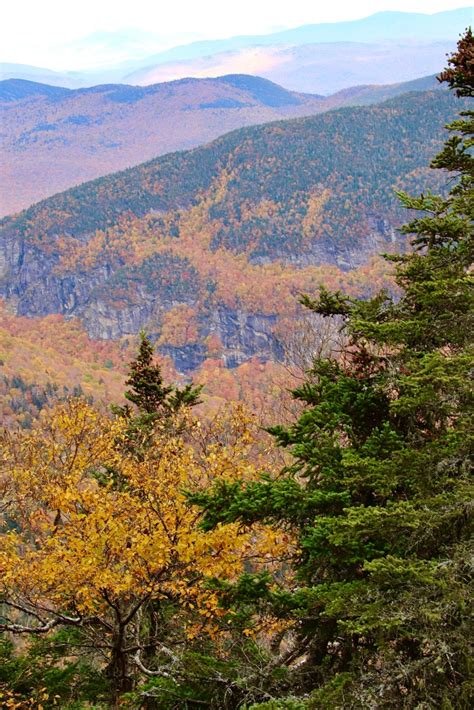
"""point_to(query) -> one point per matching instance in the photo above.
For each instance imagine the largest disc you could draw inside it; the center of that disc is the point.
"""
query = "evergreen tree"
(155, 403)
(148, 393)
(380, 494)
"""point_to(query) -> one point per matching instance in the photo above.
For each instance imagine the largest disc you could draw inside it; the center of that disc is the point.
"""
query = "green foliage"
(147, 391)
(286, 704)
(153, 400)
(42, 671)
(217, 676)
(202, 680)
(380, 494)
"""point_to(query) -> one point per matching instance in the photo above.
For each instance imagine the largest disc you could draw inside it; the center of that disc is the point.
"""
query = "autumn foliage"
(98, 540)
(161, 553)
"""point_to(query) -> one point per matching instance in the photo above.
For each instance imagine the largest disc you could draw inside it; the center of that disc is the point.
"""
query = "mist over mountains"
(322, 58)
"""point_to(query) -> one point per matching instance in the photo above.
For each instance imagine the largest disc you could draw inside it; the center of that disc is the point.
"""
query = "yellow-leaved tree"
(104, 541)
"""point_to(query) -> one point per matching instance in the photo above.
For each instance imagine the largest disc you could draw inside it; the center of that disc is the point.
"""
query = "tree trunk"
(152, 616)
(120, 680)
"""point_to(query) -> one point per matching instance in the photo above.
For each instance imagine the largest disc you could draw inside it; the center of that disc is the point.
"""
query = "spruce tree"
(147, 391)
(155, 404)
(380, 494)
(153, 399)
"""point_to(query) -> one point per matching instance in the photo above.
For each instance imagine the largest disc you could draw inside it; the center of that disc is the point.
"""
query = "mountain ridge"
(55, 137)
(27, 88)
(396, 24)
(201, 150)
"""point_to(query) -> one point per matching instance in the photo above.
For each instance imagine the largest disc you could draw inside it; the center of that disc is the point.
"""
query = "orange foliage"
(179, 326)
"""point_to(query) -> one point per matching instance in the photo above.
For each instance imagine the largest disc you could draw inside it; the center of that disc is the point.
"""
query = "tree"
(148, 393)
(379, 494)
(81, 551)
(156, 404)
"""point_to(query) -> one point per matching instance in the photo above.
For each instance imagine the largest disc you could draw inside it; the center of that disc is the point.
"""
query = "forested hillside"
(217, 241)
(47, 360)
(152, 558)
(54, 138)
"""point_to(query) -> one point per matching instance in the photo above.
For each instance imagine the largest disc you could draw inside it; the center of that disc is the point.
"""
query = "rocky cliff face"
(32, 283)
(381, 236)
(29, 281)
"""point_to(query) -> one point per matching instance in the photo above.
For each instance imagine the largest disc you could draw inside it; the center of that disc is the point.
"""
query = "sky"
(52, 33)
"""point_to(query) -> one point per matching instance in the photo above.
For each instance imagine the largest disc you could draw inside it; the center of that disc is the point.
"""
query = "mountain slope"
(218, 241)
(53, 138)
(27, 72)
(19, 89)
(365, 95)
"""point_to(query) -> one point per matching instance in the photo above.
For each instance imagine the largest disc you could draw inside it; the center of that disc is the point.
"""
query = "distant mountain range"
(54, 138)
(382, 26)
(322, 68)
(321, 58)
(207, 249)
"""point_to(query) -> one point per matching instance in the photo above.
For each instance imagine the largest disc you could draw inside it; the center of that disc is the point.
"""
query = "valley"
(236, 317)
(216, 243)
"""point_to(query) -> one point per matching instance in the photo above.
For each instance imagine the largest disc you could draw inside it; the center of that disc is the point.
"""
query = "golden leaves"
(97, 526)
(313, 218)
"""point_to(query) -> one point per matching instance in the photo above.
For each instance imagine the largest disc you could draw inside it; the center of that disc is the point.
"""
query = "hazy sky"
(48, 32)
